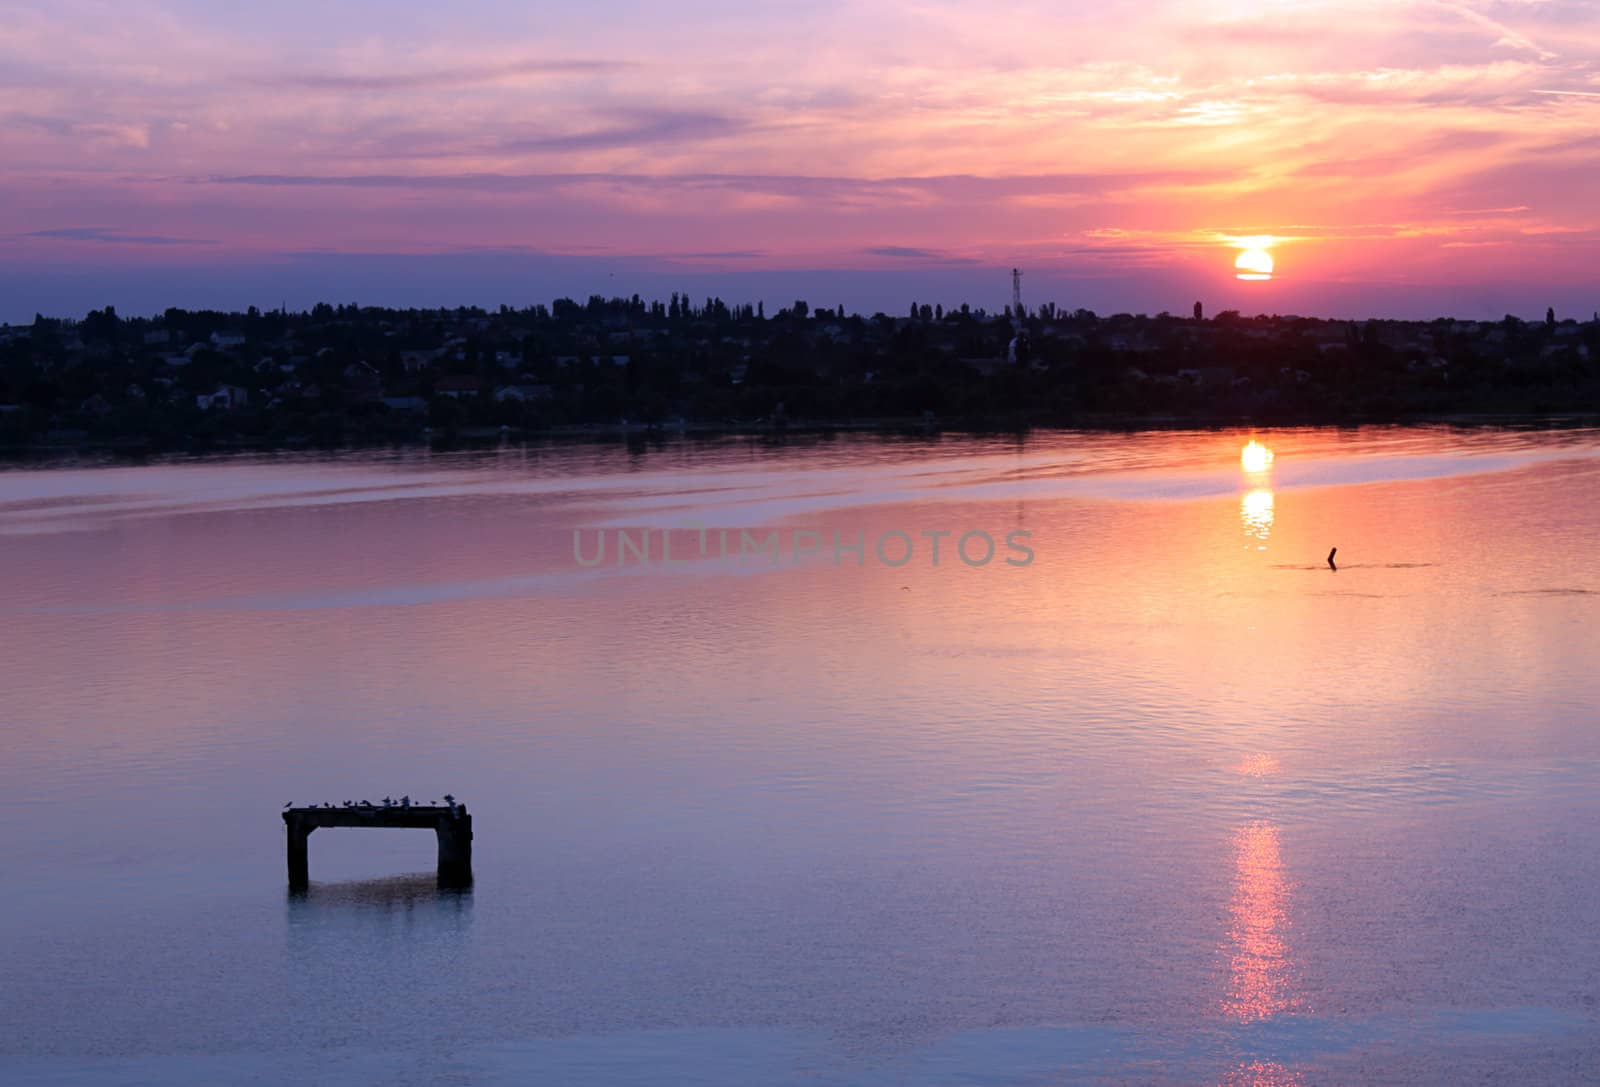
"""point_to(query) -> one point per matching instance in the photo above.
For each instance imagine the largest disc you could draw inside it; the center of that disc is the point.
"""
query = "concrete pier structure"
(451, 825)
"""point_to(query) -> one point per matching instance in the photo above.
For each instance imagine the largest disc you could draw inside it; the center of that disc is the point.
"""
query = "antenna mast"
(1016, 298)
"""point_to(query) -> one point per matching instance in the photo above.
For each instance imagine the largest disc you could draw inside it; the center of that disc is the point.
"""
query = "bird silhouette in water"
(1331, 564)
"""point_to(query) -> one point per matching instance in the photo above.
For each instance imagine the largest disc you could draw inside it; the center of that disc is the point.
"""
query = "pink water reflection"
(1260, 982)
(1263, 1074)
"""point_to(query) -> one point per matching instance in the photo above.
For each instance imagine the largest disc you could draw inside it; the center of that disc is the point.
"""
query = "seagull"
(405, 801)
(289, 805)
(448, 799)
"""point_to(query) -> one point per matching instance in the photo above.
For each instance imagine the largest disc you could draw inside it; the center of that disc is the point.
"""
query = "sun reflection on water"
(1258, 765)
(1256, 513)
(1263, 1074)
(1255, 457)
(1260, 972)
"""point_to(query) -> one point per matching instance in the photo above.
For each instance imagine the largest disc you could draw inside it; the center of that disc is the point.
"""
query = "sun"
(1254, 264)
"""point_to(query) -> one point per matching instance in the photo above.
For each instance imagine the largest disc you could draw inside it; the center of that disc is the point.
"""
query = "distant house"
(1208, 375)
(457, 386)
(522, 393)
(226, 398)
(362, 384)
(224, 340)
(96, 405)
(1135, 341)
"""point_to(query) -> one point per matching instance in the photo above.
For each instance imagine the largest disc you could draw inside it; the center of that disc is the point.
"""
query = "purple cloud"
(110, 236)
(637, 128)
(442, 77)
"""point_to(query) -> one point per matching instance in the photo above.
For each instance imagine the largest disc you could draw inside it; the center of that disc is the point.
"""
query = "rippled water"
(1174, 802)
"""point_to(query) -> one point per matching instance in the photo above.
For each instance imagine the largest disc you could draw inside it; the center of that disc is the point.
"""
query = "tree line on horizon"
(344, 372)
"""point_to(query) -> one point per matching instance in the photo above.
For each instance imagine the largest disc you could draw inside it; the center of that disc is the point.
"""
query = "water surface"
(1172, 803)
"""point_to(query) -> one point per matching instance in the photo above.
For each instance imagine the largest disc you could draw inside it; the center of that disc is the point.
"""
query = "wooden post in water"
(455, 850)
(450, 823)
(299, 850)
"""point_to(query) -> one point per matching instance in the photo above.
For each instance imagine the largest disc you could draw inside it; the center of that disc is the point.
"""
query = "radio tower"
(1018, 350)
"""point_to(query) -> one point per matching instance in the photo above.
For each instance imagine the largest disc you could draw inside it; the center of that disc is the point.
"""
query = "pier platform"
(451, 824)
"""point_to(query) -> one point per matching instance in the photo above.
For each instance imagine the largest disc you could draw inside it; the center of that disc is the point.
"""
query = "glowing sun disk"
(1254, 264)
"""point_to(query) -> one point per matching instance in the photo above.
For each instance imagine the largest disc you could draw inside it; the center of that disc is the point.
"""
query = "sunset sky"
(1410, 159)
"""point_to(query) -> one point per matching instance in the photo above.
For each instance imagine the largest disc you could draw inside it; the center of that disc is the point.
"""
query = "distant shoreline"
(905, 427)
(624, 369)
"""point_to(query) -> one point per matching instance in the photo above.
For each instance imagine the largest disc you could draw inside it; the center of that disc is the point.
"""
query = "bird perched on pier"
(405, 801)
(289, 805)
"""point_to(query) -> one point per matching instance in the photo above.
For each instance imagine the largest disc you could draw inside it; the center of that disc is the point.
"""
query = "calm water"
(1173, 803)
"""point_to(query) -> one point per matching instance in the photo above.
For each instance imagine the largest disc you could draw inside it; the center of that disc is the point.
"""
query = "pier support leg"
(299, 856)
(455, 851)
